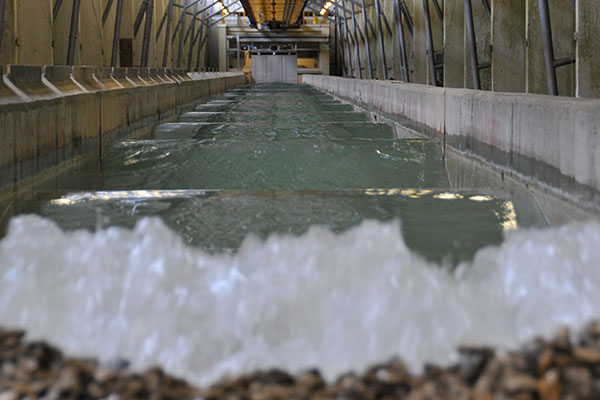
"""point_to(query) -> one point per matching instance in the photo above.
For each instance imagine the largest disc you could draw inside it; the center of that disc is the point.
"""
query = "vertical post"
(237, 41)
(73, 32)
(339, 45)
(117, 34)
(429, 33)
(180, 50)
(346, 34)
(168, 33)
(588, 52)
(200, 42)
(56, 9)
(472, 45)
(487, 8)
(356, 48)
(548, 47)
(193, 39)
(106, 11)
(380, 40)
(367, 44)
(406, 13)
(147, 34)
(399, 24)
(139, 17)
(2, 8)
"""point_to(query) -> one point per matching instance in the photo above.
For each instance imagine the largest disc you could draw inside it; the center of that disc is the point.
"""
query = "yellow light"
(323, 11)
(220, 5)
(447, 196)
(327, 5)
(481, 198)
(510, 217)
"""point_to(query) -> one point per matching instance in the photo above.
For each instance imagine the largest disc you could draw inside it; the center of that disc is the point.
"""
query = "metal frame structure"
(73, 32)
(476, 67)
(399, 17)
(145, 12)
(550, 61)
(433, 66)
(347, 36)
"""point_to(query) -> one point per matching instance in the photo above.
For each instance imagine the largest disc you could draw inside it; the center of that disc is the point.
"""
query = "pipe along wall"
(54, 115)
(551, 141)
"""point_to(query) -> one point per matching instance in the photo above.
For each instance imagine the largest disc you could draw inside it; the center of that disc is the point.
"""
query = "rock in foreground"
(547, 370)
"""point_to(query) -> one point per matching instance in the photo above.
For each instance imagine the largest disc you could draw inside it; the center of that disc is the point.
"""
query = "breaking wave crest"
(335, 302)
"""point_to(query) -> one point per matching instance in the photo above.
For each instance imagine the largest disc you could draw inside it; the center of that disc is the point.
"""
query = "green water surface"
(277, 158)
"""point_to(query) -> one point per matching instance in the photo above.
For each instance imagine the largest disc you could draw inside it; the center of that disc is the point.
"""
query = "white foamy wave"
(336, 302)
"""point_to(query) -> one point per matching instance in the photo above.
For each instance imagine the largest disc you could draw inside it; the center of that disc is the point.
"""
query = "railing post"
(429, 33)
(367, 44)
(399, 24)
(472, 45)
(548, 47)
(73, 32)
(380, 40)
(117, 34)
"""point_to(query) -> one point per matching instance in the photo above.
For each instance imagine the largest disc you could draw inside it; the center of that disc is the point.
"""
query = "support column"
(483, 33)
(400, 50)
(166, 59)
(380, 40)
(367, 43)
(350, 70)
(222, 32)
(421, 62)
(148, 38)
(562, 18)
(358, 65)
(454, 44)
(588, 48)
(138, 38)
(90, 32)
(33, 20)
(419, 44)
(7, 47)
(509, 46)
(108, 29)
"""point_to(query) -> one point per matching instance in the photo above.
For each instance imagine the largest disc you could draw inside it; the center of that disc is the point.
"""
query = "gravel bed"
(567, 367)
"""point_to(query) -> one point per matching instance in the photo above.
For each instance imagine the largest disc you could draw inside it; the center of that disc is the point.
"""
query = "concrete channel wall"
(52, 115)
(554, 141)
